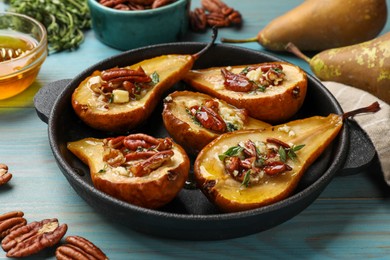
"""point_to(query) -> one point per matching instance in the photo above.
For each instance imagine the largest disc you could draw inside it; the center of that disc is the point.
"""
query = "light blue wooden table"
(350, 220)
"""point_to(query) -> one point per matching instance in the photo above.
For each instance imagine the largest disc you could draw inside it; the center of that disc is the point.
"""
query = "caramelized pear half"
(188, 119)
(134, 176)
(273, 103)
(98, 110)
(272, 174)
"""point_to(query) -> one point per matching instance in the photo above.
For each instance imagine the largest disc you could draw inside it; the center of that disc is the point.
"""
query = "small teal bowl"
(125, 30)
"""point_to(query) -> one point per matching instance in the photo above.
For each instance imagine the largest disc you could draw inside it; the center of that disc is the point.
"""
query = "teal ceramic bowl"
(125, 30)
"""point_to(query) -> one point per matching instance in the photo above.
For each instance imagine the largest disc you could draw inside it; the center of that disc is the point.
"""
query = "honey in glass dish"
(16, 74)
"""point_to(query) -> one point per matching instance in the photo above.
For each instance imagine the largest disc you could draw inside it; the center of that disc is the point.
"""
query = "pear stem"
(208, 46)
(226, 40)
(290, 47)
(374, 107)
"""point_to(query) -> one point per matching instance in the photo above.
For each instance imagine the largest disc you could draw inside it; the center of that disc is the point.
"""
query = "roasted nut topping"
(11, 221)
(5, 176)
(131, 5)
(139, 154)
(254, 78)
(207, 115)
(249, 161)
(33, 237)
(121, 85)
(79, 248)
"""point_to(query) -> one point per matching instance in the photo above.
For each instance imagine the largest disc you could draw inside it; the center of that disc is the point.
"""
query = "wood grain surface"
(350, 220)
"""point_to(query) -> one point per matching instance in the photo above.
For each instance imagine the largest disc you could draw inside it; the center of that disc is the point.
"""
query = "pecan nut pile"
(33, 237)
(5, 176)
(254, 78)
(135, 5)
(214, 13)
(121, 85)
(250, 161)
(79, 248)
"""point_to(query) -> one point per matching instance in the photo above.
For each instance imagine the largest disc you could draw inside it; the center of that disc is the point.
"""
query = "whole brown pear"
(317, 25)
(323, 24)
(365, 66)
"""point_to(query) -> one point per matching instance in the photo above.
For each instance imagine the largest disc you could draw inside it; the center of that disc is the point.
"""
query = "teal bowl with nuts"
(129, 29)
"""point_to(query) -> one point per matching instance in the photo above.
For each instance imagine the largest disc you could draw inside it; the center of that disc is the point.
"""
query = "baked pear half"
(272, 92)
(120, 99)
(139, 169)
(249, 169)
(194, 119)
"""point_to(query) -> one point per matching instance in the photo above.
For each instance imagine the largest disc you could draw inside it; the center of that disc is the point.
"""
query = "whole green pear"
(365, 66)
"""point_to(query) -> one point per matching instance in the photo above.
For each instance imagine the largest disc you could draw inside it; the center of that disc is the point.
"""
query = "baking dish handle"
(46, 97)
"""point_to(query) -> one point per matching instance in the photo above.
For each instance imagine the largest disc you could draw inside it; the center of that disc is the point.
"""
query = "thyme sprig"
(64, 20)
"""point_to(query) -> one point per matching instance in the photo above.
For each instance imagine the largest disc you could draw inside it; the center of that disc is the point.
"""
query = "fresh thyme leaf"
(155, 78)
(104, 169)
(231, 127)
(245, 71)
(247, 177)
(277, 70)
(196, 121)
(232, 151)
(260, 87)
(297, 147)
(291, 153)
(282, 154)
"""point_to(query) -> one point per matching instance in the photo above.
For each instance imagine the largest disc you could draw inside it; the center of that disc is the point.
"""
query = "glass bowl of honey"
(23, 49)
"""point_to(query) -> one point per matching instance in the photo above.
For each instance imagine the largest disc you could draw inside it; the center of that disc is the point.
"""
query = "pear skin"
(317, 25)
(365, 66)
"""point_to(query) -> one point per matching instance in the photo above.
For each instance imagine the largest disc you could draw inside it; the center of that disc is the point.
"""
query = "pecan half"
(198, 20)
(33, 237)
(147, 166)
(5, 176)
(217, 19)
(209, 118)
(236, 82)
(11, 221)
(135, 141)
(79, 248)
(159, 3)
(213, 5)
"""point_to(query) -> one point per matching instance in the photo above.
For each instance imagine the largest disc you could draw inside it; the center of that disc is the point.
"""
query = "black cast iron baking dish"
(190, 216)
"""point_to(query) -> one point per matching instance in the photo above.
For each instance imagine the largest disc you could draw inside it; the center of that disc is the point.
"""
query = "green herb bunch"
(64, 20)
